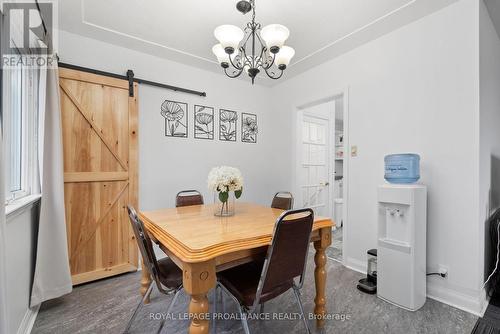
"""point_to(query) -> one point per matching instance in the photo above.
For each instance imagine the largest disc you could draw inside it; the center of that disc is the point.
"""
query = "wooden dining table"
(202, 244)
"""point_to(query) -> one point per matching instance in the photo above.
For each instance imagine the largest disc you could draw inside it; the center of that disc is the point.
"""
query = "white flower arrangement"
(224, 179)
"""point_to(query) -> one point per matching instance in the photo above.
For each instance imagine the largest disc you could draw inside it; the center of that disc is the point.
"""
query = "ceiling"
(182, 30)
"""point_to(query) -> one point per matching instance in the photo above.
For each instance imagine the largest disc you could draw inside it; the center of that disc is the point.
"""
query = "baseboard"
(459, 298)
(356, 265)
(486, 302)
(466, 300)
(28, 320)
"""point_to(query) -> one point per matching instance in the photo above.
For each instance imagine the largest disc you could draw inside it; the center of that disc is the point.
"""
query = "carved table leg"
(145, 281)
(198, 279)
(320, 274)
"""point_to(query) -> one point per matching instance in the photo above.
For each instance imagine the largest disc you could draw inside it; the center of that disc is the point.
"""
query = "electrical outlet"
(443, 270)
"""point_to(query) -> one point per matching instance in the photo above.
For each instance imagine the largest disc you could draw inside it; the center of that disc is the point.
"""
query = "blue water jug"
(402, 168)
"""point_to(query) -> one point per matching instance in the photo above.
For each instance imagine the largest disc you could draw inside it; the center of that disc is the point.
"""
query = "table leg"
(145, 281)
(198, 279)
(320, 274)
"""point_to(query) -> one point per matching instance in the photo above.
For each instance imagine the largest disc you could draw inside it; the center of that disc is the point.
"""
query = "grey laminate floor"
(335, 250)
(105, 307)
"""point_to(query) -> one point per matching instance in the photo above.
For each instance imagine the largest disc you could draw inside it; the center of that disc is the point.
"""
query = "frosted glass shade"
(274, 35)
(222, 56)
(284, 56)
(229, 36)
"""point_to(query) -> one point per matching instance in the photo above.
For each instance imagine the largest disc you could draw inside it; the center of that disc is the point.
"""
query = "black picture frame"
(228, 128)
(204, 122)
(249, 128)
(174, 118)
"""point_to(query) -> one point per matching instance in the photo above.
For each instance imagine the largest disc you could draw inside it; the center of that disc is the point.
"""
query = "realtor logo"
(29, 33)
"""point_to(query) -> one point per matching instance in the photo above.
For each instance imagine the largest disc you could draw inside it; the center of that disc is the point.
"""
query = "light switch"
(354, 151)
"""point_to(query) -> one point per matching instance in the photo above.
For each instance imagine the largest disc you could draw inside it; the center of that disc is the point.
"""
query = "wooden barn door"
(100, 132)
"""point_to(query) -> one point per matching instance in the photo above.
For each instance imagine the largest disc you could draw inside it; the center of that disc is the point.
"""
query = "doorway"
(322, 165)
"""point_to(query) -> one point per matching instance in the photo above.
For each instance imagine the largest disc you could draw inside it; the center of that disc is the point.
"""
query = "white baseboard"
(464, 300)
(486, 302)
(469, 301)
(28, 320)
(356, 265)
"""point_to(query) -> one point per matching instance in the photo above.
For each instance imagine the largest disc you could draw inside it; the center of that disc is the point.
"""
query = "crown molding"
(85, 21)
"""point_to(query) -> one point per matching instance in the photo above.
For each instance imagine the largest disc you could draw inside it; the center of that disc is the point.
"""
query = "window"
(20, 85)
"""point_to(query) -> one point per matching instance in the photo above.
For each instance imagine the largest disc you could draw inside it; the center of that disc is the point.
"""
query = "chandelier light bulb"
(284, 56)
(222, 56)
(229, 37)
(275, 36)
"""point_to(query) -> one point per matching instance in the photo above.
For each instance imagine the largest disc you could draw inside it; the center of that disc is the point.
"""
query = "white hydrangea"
(224, 179)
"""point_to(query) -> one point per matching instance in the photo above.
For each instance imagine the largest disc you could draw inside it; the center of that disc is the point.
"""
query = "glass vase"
(224, 209)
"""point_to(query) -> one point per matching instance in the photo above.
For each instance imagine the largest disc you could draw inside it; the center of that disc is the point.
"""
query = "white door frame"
(344, 93)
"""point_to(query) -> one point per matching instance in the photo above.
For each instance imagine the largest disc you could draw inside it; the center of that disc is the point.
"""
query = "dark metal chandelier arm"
(238, 73)
(260, 61)
(259, 38)
(235, 65)
(248, 61)
(272, 75)
(271, 63)
(248, 31)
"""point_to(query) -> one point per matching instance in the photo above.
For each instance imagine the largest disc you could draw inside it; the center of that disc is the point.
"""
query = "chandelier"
(254, 49)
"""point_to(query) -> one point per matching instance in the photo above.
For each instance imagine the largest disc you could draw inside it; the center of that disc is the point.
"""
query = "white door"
(314, 175)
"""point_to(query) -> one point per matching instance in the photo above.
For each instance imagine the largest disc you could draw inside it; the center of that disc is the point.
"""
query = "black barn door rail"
(131, 79)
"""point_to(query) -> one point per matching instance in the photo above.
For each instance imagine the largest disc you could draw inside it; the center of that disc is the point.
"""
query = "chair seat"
(170, 273)
(242, 282)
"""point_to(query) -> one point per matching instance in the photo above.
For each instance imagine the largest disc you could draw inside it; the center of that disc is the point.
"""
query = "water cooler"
(402, 245)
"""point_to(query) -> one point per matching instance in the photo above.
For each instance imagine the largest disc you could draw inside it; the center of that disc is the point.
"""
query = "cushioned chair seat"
(242, 282)
(170, 274)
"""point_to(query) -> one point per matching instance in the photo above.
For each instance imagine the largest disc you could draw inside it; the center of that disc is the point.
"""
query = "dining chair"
(165, 273)
(188, 197)
(252, 284)
(282, 200)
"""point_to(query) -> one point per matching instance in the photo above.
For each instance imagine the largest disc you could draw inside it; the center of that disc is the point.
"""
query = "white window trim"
(29, 140)
(20, 205)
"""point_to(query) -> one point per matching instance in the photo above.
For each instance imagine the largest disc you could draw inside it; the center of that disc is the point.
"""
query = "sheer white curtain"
(52, 277)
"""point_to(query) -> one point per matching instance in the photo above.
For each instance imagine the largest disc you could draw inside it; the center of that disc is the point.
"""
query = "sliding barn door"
(100, 133)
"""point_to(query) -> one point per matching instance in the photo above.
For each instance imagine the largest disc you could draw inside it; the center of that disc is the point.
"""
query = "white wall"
(21, 232)
(412, 90)
(168, 165)
(489, 140)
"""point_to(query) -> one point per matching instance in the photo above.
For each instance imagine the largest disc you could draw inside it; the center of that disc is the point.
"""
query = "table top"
(194, 234)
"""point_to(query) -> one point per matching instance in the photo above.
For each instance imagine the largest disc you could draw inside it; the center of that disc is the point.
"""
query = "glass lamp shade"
(229, 36)
(274, 35)
(222, 56)
(284, 56)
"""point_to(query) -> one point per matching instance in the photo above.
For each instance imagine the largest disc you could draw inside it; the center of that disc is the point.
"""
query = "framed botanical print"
(249, 128)
(203, 122)
(176, 118)
(227, 125)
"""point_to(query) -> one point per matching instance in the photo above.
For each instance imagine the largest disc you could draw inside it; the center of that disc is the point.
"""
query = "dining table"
(202, 244)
